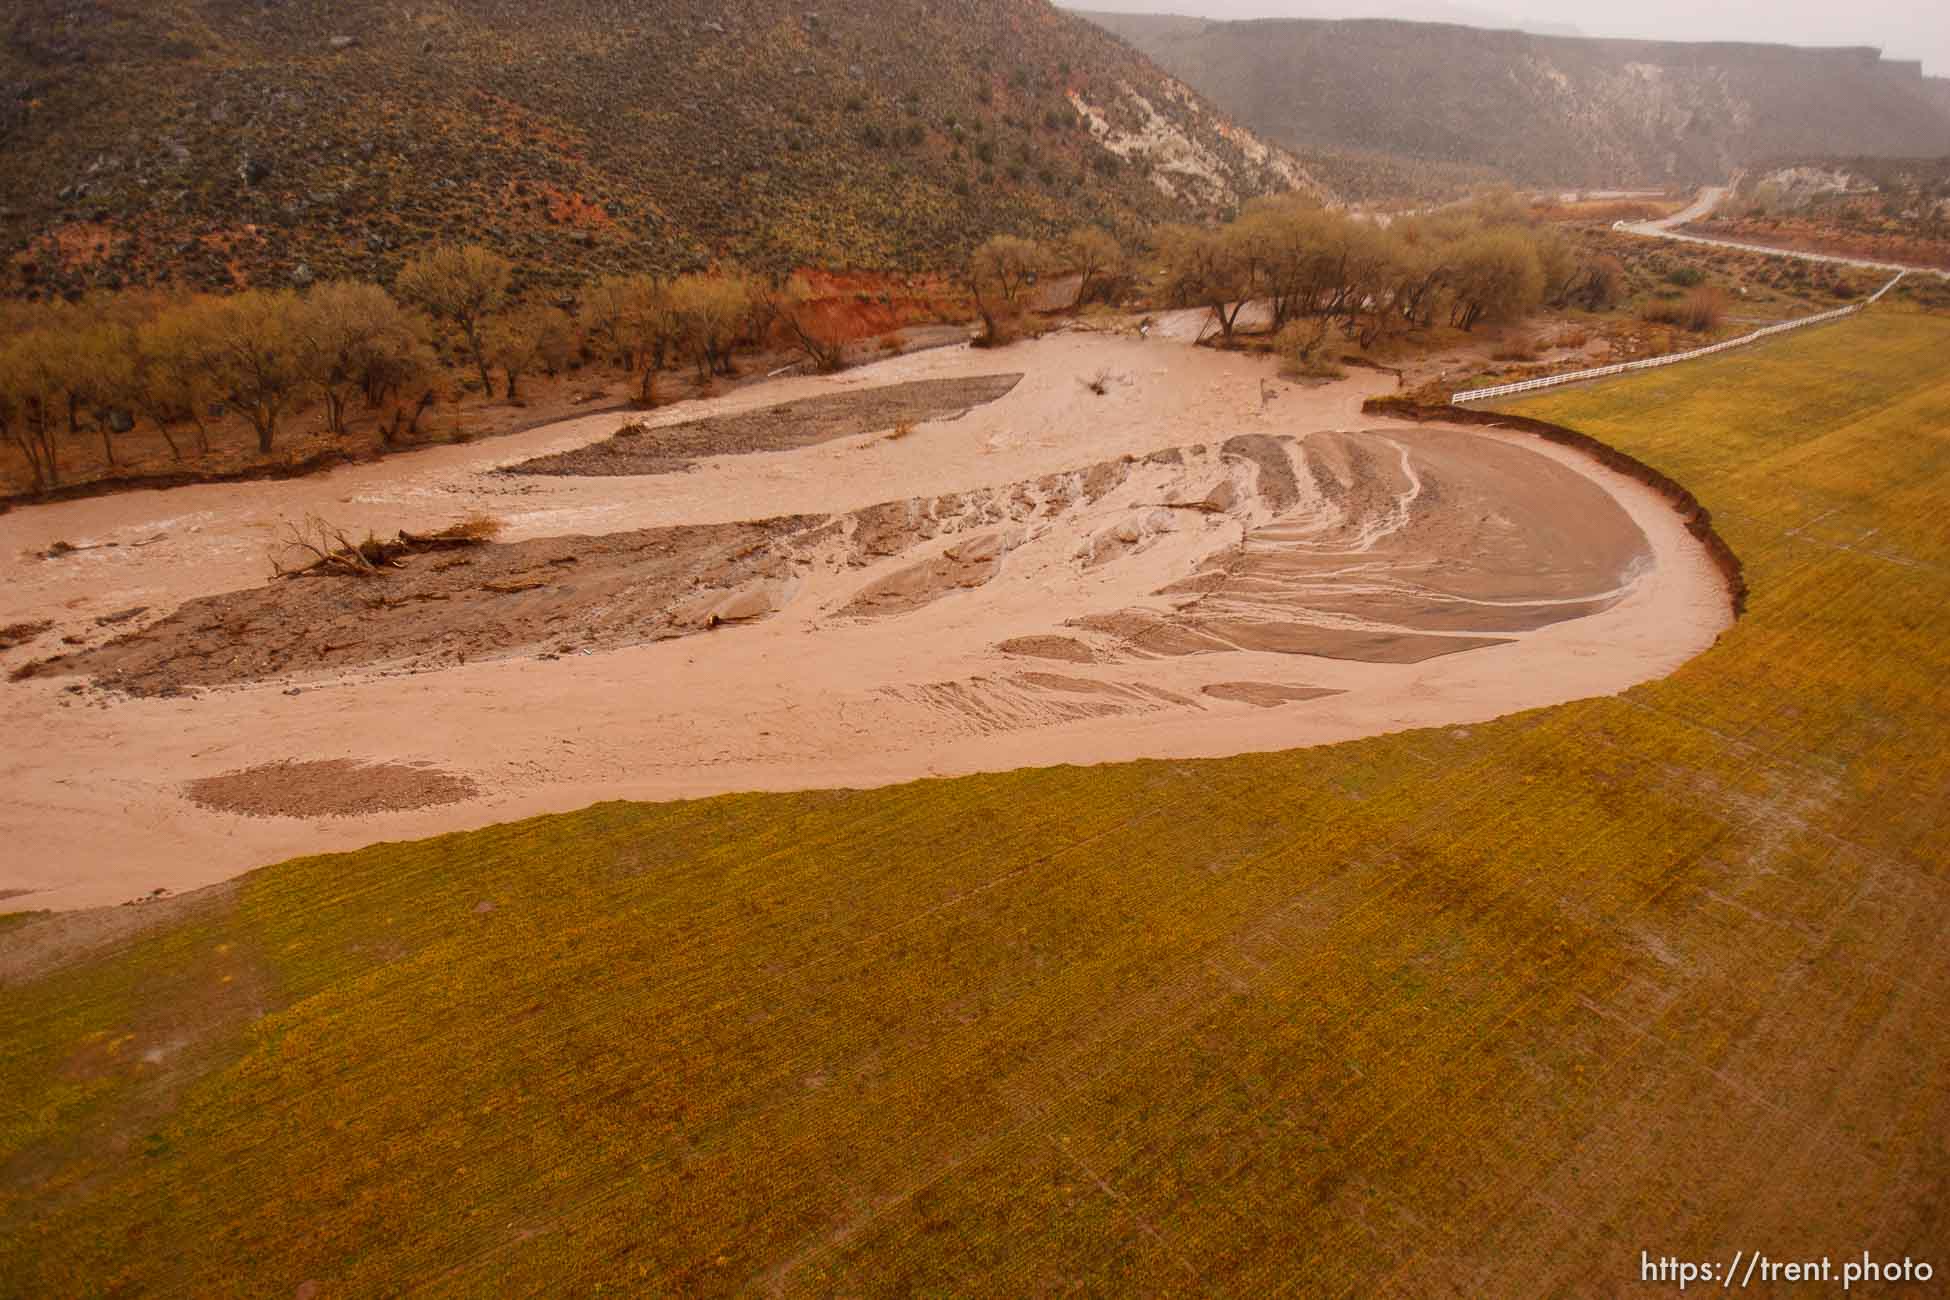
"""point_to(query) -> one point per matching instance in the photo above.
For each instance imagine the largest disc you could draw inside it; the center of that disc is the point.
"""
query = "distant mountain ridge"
(1547, 109)
(239, 141)
(1409, 11)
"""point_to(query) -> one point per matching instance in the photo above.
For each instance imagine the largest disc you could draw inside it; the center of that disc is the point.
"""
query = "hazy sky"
(1904, 29)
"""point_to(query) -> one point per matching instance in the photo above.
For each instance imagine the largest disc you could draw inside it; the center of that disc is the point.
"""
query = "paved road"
(1709, 199)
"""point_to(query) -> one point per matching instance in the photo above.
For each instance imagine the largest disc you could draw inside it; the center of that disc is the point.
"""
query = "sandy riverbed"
(1204, 560)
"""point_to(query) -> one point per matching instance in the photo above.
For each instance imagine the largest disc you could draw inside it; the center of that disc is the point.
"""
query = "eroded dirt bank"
(1195, 563)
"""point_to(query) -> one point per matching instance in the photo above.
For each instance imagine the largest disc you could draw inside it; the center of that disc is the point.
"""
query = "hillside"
(1547, 110)
(231, 142)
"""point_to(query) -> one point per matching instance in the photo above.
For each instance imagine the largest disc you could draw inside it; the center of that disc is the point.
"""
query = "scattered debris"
(335, 554)
(18, 634)
(509, 586)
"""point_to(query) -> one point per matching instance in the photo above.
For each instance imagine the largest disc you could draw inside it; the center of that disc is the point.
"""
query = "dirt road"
(1710, 199)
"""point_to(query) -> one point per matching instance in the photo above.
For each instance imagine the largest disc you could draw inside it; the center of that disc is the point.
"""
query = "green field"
(1481, 1011)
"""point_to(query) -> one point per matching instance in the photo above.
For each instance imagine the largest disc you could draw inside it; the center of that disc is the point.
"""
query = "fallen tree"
(332, 552)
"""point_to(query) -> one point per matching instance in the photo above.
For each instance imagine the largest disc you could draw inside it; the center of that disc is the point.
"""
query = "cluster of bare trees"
(1001, 272)
(95, 368)
(1490, 260)
(646, 322)
(1487, 261)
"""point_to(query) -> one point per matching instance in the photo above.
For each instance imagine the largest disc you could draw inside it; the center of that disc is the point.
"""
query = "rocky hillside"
(1548, 110)
(264, 141)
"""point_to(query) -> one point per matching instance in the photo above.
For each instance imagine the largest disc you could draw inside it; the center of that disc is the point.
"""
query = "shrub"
(1302, 349)
(477, 527)
(1000, 327)
(1701, 311)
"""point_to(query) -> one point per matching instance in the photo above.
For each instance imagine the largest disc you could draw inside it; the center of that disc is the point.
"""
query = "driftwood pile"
(324, 550)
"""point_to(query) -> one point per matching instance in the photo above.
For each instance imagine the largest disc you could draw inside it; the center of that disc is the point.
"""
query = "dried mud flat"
(672, 449)
(1179, 568)
(329, 788)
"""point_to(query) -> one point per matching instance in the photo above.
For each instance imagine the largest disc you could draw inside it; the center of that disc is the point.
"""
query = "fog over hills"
(1414, 11)
(1901, 29)
(1548, 109)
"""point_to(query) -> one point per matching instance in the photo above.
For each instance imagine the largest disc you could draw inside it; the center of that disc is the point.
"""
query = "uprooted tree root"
(333, 553)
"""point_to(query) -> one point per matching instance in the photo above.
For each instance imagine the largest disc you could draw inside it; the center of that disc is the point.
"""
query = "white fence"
(1652, 363)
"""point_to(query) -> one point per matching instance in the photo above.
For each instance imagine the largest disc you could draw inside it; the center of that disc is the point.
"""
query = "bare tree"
(997, 274)
(531, 338)
(322, 548)
(346, 331)
(1215, 269)
(632, 316)
(461, 288)
(34, 385)
(1302, 349)
(1497, 277)
(258, 353)
(709, 310)
(1095, 257)
(1008, 264)
(789, 304)
(174, 379)
(1598, 284)
(101, 372)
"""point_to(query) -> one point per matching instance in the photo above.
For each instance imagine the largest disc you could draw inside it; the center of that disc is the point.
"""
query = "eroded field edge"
(1697, 518)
